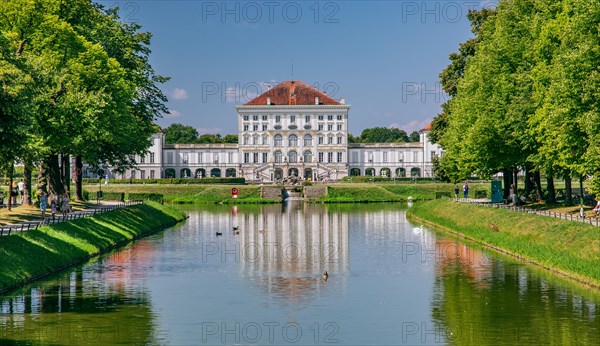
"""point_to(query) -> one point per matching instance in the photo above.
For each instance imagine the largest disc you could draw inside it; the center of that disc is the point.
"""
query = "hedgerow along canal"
(260, 281)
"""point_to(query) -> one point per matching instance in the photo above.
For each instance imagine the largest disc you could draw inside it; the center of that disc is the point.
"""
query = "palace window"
(339, 140)
(265, 139)
(320, 117)
(255, 158)
(255, 127)
(293, 157)
(264, 117)
(330, 127)
(339, 127)
(329, 157)
(152, 174)
(265, 157)
(320, 139)
(385, 156)
(339, 157)
(245, 118)
(278, 156)
(293, 119)
(278, 118)
(330, 140)
(264, 127)
(151, 157)
(307, 140)
(143, 159)
(246, 127)
(308, 156)
(340, 117)
(184, 158)
(230, 157)
(143, 174)
(278, 141)
(170, 157)
(321, 157)
(293, 141)
(330, 117)
(320, 127)
(307, 118)
(255, 117)
(246, 157)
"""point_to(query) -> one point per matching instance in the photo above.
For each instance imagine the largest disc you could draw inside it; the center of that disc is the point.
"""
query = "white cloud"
(174, 113)
(413, 125)
(179, 94)
(204, 131)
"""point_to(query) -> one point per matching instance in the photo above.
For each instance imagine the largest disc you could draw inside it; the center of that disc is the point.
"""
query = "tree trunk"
(42, 184)
(551, 196)
(78, 176)
(568, 190)
(11, 170)
(537, 178)
(55, 184)
(529, 188)
(65, 174)
(515, 180)
(27, 182)
(507, 177)
(581, 200)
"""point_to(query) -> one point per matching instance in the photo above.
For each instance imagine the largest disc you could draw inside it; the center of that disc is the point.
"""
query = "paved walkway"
(569, 217)
(34, 224)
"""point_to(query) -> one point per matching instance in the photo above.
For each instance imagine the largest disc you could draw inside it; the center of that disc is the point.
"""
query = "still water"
(389, 283)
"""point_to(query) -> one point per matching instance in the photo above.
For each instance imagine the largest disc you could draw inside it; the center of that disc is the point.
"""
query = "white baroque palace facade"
(292, 129)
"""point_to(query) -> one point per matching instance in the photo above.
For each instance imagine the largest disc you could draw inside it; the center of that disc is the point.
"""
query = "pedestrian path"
(565, 216)
(29, 225)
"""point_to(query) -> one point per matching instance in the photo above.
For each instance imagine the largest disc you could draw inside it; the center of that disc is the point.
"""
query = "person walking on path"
(53, 207)
(14, 192)
(466, 190)
(21, 186)
(64, 207)
(456, 191)
(43, 203)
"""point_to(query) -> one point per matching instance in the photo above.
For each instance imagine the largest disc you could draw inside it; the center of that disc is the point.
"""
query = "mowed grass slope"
(25, 256)
(348, 193)
(569, 247)
(180, 193)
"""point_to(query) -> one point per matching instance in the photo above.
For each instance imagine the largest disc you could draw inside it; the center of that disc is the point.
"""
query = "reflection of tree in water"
(494, 302)
(285, 250)
(90, 305)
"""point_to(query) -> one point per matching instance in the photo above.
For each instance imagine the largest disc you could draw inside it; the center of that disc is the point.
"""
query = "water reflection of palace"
(289, 247)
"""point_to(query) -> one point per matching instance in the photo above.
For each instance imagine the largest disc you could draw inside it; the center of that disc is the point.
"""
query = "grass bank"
(566, 247)
(184, 194)
(337, 193)
(389, 192)
(27, 256)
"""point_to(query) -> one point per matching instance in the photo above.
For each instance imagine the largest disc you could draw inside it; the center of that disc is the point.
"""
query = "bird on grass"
(219, 234)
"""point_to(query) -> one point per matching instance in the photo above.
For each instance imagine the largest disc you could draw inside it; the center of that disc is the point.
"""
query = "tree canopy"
(384, 135)
(76, 81)
(525, 92)
(184, 134)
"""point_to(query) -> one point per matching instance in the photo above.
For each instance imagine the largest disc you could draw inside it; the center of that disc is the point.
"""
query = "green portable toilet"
(496, 191)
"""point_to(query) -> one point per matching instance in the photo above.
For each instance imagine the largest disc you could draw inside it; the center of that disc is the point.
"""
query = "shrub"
(113, 196)
(157, 197)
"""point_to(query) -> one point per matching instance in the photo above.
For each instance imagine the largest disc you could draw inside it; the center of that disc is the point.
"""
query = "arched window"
(308, 158)
(277, 156)
(292, 157)
(415, 172)
(355, 172)
(307, 140)
(293, 141)
(278, 140)
(400, 172)
(370, 171)
(384, 172)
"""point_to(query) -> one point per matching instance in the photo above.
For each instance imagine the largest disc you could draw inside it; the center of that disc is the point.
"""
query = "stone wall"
(311, 192)
(272, 192)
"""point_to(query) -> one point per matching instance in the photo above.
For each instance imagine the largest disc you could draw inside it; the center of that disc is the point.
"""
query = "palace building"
(291, 130)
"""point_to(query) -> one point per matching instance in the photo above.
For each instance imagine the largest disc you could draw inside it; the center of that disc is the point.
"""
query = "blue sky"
(383, 57)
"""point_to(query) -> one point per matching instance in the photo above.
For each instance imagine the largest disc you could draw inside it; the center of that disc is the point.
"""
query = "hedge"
(134, 196)
(236, 181)
(113, 196)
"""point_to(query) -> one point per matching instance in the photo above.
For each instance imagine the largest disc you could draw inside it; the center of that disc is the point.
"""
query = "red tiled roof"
(427, 128)
(292, 93)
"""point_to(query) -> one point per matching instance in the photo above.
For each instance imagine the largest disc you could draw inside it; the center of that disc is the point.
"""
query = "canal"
(253, 275)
